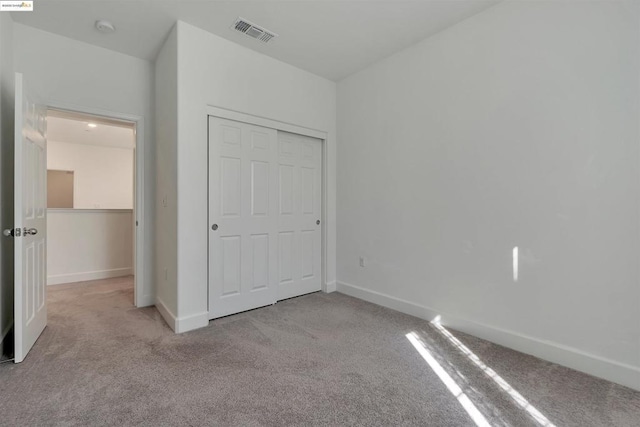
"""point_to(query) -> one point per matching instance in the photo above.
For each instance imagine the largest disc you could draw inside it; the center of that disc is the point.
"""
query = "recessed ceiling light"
(92, 125)
(105, 26)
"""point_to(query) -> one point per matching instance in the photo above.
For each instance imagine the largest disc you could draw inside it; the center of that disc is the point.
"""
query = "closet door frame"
(223, 113)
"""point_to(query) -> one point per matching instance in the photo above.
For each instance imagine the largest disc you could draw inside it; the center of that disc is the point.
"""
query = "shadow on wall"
(6, 221)
(6, 185)
(6, 346)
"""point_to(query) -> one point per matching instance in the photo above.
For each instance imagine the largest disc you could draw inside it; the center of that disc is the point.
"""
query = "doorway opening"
(92, 200)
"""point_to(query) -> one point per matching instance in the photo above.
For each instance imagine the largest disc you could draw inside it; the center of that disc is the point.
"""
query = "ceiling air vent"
(253, 30)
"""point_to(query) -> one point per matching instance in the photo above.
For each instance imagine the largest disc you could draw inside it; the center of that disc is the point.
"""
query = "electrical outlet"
(363, 261)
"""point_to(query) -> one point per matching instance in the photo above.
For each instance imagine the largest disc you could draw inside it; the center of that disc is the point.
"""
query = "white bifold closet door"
(264, 212)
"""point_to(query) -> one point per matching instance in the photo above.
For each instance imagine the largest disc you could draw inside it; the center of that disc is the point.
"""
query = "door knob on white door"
(214, 227)
(11, 232)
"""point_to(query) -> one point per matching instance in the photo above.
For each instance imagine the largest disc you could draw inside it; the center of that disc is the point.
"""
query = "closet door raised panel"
(242, 217)
(299, 211)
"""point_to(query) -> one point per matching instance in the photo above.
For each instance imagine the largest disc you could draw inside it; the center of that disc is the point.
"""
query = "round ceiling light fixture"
(105, 26)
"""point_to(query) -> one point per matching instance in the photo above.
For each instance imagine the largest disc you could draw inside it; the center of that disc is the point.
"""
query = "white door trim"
(140, 299)
(224, 113)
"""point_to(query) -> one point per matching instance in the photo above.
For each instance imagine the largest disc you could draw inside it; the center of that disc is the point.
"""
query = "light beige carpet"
(320, 359)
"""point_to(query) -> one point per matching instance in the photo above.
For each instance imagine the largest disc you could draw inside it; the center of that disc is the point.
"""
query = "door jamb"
(224, 113)
(140, 299)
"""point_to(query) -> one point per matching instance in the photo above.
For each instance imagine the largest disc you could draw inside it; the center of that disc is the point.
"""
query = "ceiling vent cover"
(253, 31)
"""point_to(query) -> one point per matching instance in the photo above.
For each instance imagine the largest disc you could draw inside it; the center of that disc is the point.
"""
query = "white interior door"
(30, 221)
(299, 215)
(243, 217)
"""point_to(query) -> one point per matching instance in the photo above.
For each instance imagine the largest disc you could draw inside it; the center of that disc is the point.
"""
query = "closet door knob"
(214, 227)
(30, 231)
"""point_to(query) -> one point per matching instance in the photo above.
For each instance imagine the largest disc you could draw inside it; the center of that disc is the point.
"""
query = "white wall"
(213, 71)
(166, 69)
(88, 245)
(103, 176)
(6, 172)
(517, 127)
(72, 73)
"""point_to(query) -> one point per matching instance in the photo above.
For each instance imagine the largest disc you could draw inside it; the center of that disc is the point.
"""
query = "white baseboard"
(89, 275)
(189, 323)
(329, 287)
(166, 314)
(608, 369)
(182, 324)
